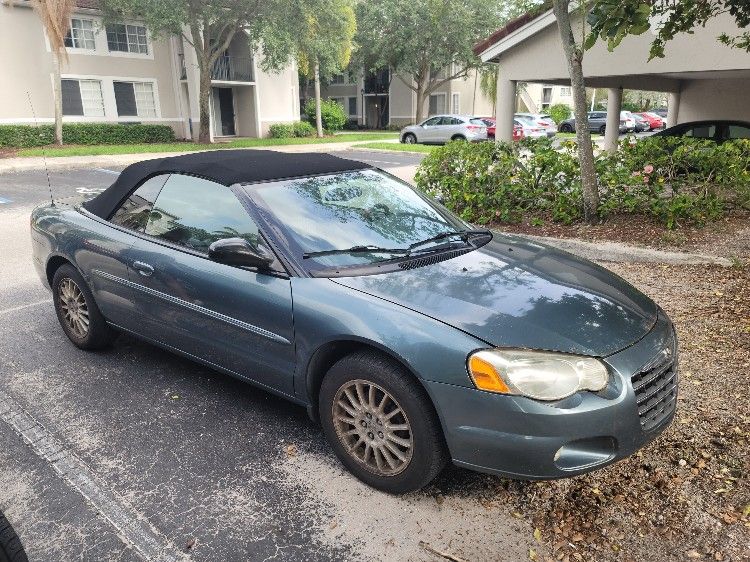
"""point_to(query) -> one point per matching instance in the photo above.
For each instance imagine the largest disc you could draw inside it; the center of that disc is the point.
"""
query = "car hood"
(513, 292)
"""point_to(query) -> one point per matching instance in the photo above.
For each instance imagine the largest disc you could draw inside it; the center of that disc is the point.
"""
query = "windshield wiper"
(464, 234)
(357, 250)
(365, 249)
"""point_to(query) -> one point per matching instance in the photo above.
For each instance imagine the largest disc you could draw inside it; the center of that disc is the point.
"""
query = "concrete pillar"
(505, 109)
(614, 106)
(673, 109)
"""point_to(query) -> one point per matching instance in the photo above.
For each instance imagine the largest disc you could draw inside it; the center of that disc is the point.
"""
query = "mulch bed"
(729, 237)
(686, 495)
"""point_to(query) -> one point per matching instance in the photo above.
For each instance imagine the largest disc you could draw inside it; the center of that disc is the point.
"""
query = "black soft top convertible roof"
(226, 167)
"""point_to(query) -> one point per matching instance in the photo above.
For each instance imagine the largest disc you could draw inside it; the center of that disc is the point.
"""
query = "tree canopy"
(613, 20)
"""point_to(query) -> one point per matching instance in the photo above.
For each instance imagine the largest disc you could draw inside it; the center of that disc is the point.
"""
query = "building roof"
(226, 167)
(89, 4)
(511, 26)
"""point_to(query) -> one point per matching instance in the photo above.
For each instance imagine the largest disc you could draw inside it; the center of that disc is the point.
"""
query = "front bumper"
(521, 438)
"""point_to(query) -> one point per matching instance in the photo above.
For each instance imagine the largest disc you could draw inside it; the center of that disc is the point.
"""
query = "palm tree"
(55, 16)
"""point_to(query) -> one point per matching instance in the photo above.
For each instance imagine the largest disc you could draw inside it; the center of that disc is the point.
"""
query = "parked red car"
(490, 122)
(655, 121)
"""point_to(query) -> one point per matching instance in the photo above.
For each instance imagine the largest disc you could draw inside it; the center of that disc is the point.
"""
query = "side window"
(133, 213)
(433, 121)
(701, 132)
(739, 132)
(194, 213)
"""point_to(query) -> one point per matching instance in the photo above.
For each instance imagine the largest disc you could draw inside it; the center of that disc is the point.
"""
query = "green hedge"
(297, 129)
(26, 136)
(331, 113)
(679, 181)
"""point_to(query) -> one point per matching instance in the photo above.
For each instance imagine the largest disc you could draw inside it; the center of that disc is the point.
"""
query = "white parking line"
(106, 171)
(3, 200)
(131, 527)
(22, 306)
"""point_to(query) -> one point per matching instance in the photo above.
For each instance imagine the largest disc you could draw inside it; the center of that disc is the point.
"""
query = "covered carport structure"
(704, 78)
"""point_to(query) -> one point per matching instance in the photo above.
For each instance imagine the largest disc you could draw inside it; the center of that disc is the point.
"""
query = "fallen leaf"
(538, 535)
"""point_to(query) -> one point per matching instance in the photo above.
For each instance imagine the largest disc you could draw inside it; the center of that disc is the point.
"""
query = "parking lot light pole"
(614, 106)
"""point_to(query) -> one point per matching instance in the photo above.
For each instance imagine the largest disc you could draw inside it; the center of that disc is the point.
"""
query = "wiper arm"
(464, 234)
(357, 250)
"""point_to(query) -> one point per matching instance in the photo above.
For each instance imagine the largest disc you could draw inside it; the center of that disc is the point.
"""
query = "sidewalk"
(20, 164)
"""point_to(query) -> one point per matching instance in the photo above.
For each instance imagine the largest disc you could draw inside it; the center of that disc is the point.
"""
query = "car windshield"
(351, 218)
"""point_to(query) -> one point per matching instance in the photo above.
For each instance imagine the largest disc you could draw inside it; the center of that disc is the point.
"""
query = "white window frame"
(92, 30)
(139, 108)
(456, 103)
(110, 104)
(444, 103)
(130, 52)
(348, 106)
(565, 91)
(99, 102)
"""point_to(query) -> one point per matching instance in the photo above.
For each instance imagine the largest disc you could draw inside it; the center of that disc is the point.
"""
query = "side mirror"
(238, 251)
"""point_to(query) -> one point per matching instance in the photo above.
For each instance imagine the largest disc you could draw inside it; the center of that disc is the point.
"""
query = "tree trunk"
(421, 95)
(318, 116)
(204, 102)
(574, 57)
(57, 93)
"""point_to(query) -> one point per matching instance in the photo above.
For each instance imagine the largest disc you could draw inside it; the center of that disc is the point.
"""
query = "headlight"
(542, 375)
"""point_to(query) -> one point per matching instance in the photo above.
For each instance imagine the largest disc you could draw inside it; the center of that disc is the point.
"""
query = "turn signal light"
(485, 376)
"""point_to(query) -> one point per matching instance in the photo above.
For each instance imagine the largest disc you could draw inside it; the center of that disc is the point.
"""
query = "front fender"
(325, 312)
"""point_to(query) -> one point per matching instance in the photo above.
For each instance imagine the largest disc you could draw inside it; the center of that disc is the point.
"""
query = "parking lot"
(149, 456)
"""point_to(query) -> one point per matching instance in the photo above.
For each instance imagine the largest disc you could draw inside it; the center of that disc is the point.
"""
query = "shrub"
(560, 112)
(678, 181)
(25, 136)
(291, 130)
(332, 113)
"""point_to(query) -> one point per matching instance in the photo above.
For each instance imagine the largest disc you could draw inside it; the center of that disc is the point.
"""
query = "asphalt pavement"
(133, 453)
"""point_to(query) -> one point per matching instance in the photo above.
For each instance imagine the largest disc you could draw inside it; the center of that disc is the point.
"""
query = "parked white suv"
(443, 128)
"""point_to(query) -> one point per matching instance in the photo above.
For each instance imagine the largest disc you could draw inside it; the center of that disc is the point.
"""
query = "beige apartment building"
(377, 100)
(122, 73)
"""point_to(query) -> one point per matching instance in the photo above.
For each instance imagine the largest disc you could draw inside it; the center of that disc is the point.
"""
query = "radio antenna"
(44, 152)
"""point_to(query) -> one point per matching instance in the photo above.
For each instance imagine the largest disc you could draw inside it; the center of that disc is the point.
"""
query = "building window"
(565, 91)
(437, 104)
(135, 99)
(339, 101)
(455, 103)
(338, 78)
(352, 107)
(81, 34)
(127, 38)
(82, 97)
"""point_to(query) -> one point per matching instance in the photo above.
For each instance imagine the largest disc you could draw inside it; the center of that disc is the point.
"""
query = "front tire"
(79, 316)
(410, 138)
(381, 423)
(566, 128)
(602, 130)
(11, 549)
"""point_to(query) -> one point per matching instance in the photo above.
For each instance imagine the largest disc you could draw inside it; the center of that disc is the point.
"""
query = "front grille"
(655, 388)
(435, 258)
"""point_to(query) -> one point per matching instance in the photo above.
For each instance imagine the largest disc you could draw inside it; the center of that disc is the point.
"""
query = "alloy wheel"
(75, 312)
(373, 427)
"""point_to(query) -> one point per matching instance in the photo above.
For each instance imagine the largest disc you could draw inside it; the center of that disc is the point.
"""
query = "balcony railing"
(377, 82)
(233, 69)
(226, 69)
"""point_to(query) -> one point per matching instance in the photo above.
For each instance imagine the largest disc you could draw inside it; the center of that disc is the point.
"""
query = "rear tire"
(602, 130)
(458, 138)
(394, 444)
(79, 316)
(11, 549)
(409, 138)
(566, 128)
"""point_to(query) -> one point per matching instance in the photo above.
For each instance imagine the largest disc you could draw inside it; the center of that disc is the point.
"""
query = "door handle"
(143, 268)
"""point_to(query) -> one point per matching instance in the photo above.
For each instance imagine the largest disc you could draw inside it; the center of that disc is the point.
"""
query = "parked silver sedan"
(443, 128)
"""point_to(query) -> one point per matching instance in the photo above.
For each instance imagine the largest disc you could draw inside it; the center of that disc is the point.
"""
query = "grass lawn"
(427, 148)
(85, 150)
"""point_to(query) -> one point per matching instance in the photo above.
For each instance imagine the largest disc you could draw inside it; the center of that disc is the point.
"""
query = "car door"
(430, 130)
(106, 257)
(232, 317)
